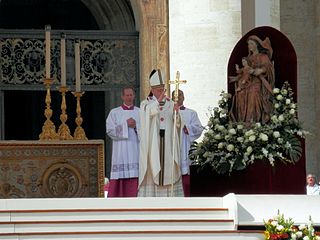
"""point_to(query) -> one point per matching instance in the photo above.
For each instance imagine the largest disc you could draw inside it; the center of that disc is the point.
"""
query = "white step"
(134, 218)
(114, 214)
(174, 235)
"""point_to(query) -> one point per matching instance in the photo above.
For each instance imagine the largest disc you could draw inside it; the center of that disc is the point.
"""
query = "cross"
(177, 82)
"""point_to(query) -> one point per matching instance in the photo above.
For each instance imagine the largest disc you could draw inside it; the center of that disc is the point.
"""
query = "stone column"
(257, 13)
(152, 17)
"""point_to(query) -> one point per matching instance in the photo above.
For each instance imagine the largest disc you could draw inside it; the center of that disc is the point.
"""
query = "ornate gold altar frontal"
(51, 169)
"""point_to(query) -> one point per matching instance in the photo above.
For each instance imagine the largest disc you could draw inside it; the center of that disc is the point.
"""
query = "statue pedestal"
(259, 178)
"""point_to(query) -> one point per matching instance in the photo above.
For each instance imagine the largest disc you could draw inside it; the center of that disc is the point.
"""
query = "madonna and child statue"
(254, 83)
(253, 137)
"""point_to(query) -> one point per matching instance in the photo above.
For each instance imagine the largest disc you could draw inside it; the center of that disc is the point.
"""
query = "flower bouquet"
(228, 145)
(280, 228)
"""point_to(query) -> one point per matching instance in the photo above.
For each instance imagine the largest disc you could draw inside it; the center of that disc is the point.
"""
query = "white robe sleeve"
(116, 125)
(153, 108)
(190, 131)
(144, 139)
(193, 126)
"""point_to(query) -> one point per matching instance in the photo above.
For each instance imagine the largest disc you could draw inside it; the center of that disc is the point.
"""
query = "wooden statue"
(252, 101)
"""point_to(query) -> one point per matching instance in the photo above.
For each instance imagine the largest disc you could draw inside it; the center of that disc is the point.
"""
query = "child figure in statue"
(243, 78)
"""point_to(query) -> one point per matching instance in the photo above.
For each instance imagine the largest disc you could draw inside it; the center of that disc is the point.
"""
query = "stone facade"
(300, 22)
(202, 36)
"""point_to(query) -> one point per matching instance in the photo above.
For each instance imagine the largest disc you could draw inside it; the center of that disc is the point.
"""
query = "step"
(118, 225)
(135, 218)
(113, 214)
(140, 235)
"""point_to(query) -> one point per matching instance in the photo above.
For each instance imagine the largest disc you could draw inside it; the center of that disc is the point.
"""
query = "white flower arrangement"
(228, 146)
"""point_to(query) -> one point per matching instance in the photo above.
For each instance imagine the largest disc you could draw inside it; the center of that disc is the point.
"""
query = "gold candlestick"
(48, 128)
(64, 131)
(79, 133)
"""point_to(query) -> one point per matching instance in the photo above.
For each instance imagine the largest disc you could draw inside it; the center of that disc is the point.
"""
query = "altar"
(51, 169)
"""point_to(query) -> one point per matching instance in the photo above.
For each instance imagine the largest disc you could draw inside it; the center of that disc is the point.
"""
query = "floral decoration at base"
(228, 146)
(280, 228)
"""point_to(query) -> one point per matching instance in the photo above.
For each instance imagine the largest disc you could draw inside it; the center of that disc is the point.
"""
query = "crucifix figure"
(176, 82)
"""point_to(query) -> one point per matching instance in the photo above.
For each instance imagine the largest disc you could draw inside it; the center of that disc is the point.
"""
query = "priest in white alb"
(159, 165)
(191, 130)
(122, 127)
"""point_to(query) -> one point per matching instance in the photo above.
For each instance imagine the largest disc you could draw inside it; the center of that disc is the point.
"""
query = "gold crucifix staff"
(176, 82)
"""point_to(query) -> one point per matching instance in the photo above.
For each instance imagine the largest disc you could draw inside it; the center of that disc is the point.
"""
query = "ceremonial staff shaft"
(176, 82)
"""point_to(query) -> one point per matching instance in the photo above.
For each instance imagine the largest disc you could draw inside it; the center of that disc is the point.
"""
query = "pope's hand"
(162, 95)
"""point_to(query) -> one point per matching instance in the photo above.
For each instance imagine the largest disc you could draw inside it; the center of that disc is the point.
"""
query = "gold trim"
(61, 153)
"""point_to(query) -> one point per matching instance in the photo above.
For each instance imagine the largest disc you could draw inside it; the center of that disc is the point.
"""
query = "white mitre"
(155, 78)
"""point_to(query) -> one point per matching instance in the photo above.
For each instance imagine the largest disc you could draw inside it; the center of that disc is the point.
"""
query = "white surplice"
(154, 117)
(313, 190)
(125, 143)
(191, 130)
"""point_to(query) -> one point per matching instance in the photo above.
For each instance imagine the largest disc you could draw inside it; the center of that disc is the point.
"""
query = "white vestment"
(191, 129)
(313, 190)
(154, 117)
(125, 143)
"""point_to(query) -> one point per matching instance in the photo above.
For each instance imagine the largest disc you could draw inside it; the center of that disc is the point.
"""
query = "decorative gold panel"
(51, 169)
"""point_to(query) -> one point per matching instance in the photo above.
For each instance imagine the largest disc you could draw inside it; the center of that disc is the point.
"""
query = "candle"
(77, 63)
(47, 56)
(63, 60)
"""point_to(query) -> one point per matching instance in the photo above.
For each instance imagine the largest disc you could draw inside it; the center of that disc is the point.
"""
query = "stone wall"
(299, 22)
(201, 38)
